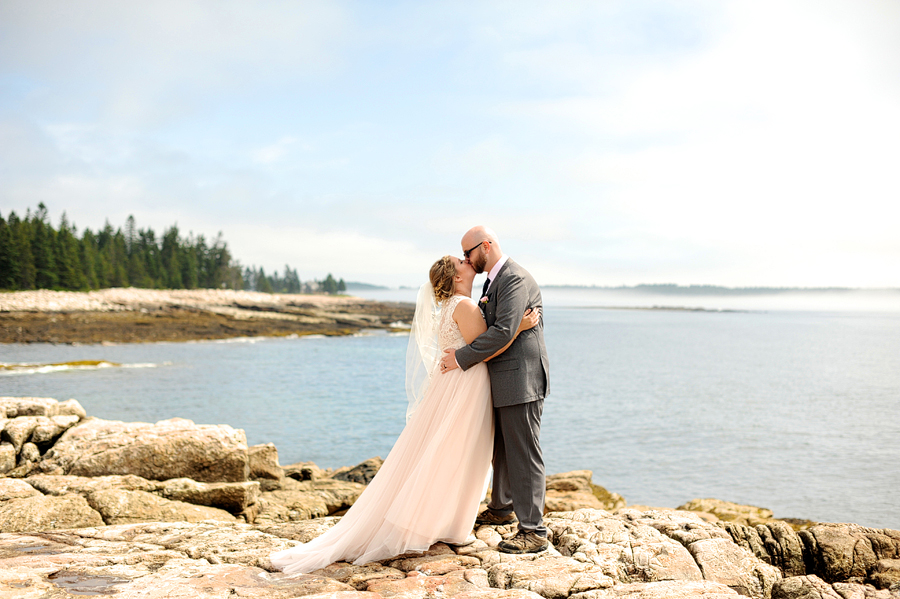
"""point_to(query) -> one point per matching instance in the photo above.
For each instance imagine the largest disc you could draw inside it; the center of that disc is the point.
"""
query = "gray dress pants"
(519, 483)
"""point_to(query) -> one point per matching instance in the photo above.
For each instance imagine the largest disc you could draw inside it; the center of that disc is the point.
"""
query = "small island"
(132, 315)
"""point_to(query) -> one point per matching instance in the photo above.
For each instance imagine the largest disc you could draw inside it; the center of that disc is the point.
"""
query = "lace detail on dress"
(449, 335)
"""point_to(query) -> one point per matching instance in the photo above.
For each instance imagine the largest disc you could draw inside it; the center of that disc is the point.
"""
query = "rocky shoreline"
(176, 509)
(146, 315)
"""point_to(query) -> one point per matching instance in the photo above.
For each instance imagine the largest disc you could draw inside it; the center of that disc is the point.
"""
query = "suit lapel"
(490, 306)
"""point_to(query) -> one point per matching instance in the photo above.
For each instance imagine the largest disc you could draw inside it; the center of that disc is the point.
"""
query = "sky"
(735, 143)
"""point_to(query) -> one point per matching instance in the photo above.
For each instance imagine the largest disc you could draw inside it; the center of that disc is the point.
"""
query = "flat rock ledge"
(176, 509)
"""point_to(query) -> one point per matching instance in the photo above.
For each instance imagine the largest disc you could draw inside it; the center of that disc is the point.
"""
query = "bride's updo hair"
(441, 276)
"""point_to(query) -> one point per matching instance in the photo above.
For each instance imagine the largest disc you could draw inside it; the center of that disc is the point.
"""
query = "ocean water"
(796, 410)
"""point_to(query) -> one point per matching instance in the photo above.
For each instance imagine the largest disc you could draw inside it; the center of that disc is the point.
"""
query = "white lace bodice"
(449, 336)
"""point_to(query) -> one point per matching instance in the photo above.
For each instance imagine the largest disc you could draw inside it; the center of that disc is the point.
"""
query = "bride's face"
(464, 270)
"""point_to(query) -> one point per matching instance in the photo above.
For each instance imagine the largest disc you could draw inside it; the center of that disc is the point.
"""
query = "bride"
(433, 480)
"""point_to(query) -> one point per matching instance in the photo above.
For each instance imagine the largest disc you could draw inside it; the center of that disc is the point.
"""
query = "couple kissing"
(477, 376)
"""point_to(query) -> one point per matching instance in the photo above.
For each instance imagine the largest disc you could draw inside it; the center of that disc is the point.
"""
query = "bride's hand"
(530, 320)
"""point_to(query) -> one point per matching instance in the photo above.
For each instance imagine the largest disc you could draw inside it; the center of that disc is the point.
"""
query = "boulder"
(7, 457)
(722, 561)
(175, 448)
(118, 506)
(298, 500)
(18, 430)
(232, 497)
(306, 471)
(570, 491)
(14, 488)
(263, 461)
(50, 484)
(45, 433)
(886, 574)
(847, 552)
(749, 515)
(40, 512)
(29, 454)
(71, 407)
(775, 543)
(362, 473)
(13, 407)
(804, 587)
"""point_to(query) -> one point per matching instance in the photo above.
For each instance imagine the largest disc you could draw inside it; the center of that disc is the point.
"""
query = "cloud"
(159, 61)
(274, 152)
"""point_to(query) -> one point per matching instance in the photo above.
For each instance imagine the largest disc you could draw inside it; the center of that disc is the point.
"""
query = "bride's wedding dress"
(431, 483)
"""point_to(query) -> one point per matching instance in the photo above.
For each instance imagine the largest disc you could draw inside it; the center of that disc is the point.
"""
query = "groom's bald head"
(480, 233)
(484, 256)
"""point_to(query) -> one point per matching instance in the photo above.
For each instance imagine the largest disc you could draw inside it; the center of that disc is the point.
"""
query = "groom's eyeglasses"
(467, 252)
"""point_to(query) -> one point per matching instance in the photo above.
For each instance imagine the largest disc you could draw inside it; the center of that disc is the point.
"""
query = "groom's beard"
(479, 263)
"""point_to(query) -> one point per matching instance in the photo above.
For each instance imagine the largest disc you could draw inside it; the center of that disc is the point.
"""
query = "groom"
(519, 383)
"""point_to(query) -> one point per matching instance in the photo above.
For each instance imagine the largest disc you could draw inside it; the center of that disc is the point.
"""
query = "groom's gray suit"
(520, 380)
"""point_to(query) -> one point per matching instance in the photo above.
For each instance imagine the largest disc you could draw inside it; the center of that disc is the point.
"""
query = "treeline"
(257, 280)
(35, 255)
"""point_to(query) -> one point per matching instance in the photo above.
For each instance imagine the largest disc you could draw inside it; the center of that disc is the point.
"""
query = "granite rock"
(847, 552)
(127, 507)
(175, 448)
(40, 512)
(362, 473)
(748, 515)
(570, 491)
(264, 467)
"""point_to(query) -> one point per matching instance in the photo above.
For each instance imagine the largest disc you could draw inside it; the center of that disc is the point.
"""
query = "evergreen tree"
(341, 286)
(248, 278)
(188, 258)
(43, 240)
(169, 255)
(9, 258)
(21, 236)
(263, 283)
(149, 253)
(88, 253)
(68, 262)
(329, 285)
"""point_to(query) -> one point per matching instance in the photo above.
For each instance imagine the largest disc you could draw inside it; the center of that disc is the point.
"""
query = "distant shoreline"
(672, 289)
(661, 308)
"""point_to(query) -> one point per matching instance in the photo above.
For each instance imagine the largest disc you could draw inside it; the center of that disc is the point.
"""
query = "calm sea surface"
(795, 410)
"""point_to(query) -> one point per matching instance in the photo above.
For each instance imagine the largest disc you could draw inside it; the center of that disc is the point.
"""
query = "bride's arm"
(471, 323)
(469, 320)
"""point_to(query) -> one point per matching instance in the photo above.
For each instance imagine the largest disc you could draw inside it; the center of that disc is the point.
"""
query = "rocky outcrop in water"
(175, 509)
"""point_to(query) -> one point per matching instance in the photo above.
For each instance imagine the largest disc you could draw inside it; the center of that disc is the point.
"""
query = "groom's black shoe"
(490, 518)
(524, 542)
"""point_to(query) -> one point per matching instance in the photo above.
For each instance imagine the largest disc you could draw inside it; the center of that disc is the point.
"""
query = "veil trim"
(423, 351)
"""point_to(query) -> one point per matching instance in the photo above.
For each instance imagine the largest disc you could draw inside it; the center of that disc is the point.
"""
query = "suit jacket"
(521, 374)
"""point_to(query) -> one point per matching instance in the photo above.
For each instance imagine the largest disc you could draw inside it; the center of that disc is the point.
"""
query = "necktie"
(487, 283)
